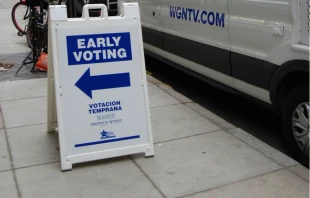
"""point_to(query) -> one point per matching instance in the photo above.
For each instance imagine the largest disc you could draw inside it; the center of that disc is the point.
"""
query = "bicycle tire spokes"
(26, 14)
(19, 16)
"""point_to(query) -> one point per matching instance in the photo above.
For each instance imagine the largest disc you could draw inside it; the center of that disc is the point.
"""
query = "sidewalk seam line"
(22, 99)
(221, 186)
(165, 105)
(227, 131)
(255, 149)
(200, 134)
(137, 165)
(172, 95)
(193, 102)
(10, 155)
(26, 125)
(211, 120)
(288, 168)
(224, 128)
(35, 165)
(5, 170)
(165, 141)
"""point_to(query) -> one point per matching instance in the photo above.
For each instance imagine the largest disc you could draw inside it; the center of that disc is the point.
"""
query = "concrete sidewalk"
(197, 154)
(9, 41)
(13, 49)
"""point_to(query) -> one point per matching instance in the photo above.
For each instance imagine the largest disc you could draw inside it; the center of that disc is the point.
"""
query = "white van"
(259, 48)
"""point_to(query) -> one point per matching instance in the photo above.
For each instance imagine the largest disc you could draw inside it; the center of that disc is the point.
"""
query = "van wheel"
(295, 122)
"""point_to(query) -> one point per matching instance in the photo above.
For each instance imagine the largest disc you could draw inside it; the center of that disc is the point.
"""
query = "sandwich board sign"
(97, 91)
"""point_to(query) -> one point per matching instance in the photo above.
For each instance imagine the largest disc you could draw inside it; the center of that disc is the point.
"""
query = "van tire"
(297, 96)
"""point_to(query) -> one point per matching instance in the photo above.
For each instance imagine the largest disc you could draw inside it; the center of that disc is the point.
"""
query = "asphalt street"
(245, 114)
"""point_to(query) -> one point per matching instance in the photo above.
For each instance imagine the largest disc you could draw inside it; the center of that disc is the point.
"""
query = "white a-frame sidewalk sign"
(97, 90)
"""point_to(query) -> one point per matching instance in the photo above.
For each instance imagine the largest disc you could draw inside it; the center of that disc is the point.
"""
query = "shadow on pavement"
(252, 118)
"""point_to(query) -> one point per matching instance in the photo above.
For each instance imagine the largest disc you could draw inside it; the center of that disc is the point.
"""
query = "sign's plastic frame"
(58, 14)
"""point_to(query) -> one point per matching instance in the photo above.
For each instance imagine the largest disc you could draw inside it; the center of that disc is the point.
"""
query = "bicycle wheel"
(20, 16)
(29, 34)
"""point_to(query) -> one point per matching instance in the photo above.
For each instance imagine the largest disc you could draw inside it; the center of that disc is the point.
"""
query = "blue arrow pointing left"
(88, 83)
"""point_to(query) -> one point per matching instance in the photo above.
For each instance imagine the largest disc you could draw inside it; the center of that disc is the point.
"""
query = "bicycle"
(20, 17)
(36, 32)
(37, 11)
(20, 13)
(36, 15)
